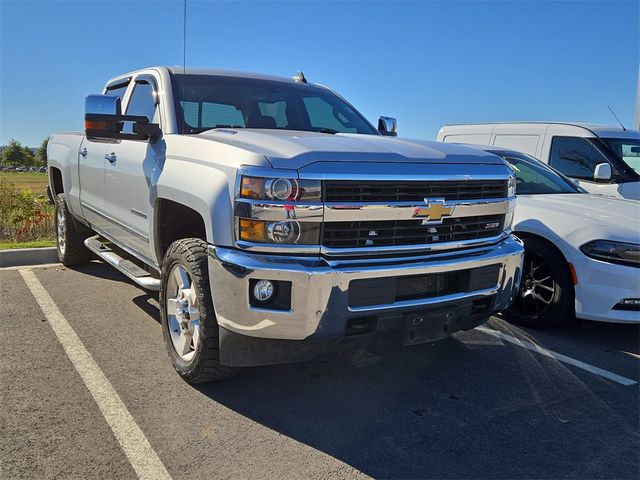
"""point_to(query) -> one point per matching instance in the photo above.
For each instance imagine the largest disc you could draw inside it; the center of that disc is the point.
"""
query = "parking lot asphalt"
(473, 406)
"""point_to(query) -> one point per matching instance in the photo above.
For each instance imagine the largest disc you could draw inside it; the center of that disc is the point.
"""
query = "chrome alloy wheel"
(537, 289)
(182, 313)
(61, 229)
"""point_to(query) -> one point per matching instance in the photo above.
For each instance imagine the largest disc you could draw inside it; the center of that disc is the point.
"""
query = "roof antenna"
(184, 51)
(299, 76)
(614, 114)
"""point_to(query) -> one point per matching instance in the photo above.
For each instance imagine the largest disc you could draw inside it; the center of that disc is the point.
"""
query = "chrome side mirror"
(102, 105)
(103, 119)
(602, 172)
(388, 126)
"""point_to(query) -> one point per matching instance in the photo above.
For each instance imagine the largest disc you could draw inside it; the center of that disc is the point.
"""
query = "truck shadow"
(452, 409)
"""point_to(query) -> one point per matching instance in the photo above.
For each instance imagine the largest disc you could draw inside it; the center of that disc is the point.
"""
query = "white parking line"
(614, 377)
(136, 447)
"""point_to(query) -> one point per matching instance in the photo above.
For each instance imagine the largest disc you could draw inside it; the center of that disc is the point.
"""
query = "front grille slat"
(392, 191)
(408, 232)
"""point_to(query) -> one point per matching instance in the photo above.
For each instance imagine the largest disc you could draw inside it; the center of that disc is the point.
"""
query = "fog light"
(263, 290)
(632, 304)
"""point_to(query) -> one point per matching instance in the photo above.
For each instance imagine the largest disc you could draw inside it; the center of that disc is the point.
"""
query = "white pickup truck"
(275, 220)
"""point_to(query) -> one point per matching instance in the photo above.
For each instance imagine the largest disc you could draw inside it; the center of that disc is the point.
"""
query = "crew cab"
(275, 220)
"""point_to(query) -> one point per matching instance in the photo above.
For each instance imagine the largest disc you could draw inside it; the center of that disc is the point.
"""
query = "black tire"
(70, 236)
(546, 295)
(204, 366)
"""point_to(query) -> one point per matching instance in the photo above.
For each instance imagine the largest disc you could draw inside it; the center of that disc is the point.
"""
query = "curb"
(28, 256)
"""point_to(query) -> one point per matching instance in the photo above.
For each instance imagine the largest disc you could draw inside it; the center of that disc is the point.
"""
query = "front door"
(131, 171)
(577, 158)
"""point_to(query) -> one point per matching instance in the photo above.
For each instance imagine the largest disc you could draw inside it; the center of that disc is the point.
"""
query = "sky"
(427, 63)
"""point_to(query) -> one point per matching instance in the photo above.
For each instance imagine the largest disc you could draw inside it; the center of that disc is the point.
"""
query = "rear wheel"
(546, 295)
(189, 323)
(70, 236)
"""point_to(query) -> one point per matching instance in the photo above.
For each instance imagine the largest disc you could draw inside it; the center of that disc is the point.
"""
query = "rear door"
(91, 169)
(132, 171)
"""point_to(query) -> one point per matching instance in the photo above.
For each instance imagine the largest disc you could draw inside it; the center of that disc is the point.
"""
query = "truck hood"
(292, 149)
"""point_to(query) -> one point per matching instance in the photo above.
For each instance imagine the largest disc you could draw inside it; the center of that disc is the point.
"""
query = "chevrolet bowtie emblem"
(434, 212)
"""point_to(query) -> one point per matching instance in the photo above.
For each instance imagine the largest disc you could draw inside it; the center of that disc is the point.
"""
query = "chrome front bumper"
(319, 293)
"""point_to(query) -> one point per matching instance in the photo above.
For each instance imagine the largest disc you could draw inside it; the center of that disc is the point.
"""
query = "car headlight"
(280, 189)
(511, 186)
(285, 194)
(621, 253)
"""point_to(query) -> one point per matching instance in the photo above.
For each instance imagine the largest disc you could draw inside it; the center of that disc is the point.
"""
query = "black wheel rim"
(538, 287)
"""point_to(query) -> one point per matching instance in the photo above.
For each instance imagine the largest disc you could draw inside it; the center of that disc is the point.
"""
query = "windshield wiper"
(326, 130)
(204, 129)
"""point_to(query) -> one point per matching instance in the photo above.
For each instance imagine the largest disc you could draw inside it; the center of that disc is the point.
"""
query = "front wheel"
(189, 323)
(546, 295)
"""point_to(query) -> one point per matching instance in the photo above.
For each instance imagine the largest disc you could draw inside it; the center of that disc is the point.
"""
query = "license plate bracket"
(427, 326)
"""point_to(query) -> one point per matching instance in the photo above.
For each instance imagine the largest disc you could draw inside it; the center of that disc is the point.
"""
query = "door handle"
(111, 157)
(83, 152)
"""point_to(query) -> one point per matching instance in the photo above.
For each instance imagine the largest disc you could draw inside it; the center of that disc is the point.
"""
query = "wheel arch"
(55, 181)
(523, 235)
(174, 220)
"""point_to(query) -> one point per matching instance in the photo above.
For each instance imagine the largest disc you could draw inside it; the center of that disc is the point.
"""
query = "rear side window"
(575, 157)
(522, 143)
(117, 90)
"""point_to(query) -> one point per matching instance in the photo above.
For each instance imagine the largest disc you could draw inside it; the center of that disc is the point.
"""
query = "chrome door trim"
(141, 236)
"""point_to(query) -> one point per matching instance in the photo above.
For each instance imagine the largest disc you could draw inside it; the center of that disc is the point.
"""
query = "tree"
(13, 154)
(28, 159)
(42, 152)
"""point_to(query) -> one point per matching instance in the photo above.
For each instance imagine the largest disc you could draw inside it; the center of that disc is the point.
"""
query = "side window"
(575, 157)
(142, 102)
(322, 115)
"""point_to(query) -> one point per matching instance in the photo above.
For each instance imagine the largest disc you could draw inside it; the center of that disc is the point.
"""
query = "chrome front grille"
(337, 191)
(358, 234)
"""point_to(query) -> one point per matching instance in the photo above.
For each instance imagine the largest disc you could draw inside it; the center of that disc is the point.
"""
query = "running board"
(127, 267)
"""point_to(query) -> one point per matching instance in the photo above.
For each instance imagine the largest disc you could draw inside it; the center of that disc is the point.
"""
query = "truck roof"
(208, 71)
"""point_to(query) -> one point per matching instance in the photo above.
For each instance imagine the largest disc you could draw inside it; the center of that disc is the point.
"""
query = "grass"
(26, 218)
(49, 242)
(34, 181)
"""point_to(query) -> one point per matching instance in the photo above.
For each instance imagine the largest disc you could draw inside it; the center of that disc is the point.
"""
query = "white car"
(582, 251)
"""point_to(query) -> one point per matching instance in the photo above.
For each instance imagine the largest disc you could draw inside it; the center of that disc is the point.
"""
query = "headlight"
(613, 252)
(511, 186)
(280, 189)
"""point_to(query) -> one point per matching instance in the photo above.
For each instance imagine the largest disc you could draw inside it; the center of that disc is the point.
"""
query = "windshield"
(626, 149)
(204, 102)
(535, 178)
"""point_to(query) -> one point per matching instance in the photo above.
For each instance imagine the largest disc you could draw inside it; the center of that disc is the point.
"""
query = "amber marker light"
(252, 230)
(252, 187)
(94, 125)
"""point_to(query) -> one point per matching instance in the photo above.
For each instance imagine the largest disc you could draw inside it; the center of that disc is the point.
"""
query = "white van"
(603, 159)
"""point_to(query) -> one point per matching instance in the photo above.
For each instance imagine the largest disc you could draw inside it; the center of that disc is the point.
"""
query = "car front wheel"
(546, 295)
(189, 322)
